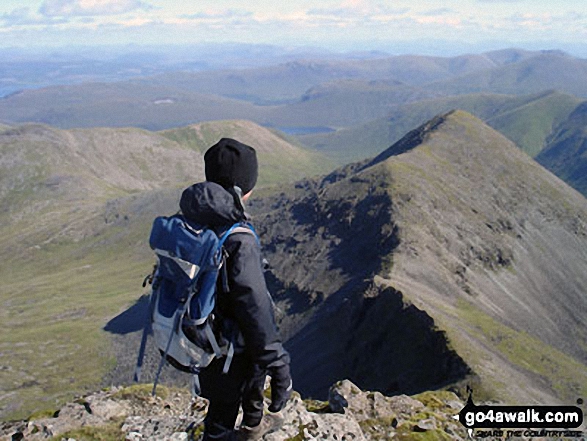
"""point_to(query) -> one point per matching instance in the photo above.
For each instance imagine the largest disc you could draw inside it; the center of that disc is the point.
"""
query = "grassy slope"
(277, 152)
(526, 120)
(53, 314)
(73, 242)
(344, 103)
(530, 125)
(120, 104)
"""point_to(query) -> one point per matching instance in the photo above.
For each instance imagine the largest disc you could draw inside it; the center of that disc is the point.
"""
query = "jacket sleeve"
(249, 303)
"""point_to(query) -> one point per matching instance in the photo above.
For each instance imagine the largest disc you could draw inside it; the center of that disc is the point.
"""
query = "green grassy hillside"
(526, 120)
(120, 104)
(277, 151)
(76, 209)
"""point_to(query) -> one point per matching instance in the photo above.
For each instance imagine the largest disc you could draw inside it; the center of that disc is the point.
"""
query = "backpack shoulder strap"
(239, 227)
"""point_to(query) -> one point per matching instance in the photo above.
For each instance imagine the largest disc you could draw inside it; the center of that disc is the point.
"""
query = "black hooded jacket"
(247, 301)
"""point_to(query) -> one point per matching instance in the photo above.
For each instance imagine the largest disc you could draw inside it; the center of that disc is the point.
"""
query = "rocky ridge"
(132, 414)
(461, 236)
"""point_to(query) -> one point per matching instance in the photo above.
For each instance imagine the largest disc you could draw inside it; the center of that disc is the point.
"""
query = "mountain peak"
(419, 135)
(454, 220)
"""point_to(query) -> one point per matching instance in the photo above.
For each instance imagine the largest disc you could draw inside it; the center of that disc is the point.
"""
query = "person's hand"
(281, 387)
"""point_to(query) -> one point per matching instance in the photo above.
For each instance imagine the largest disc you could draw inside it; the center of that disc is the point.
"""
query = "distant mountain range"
(29, 68)
(289, 81)
(287, 94)
(347, 108)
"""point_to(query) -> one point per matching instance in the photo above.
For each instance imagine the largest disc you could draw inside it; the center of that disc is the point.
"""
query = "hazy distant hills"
(548, 70)
(452, 254)
(76, 208)
(289, 81)
(119, 104)
(315, 93)
(28, 68)
(527, 120)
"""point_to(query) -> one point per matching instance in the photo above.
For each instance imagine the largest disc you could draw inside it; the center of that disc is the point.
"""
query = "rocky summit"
(132, 414)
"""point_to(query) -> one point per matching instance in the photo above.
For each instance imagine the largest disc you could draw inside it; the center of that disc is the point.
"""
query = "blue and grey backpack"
(183, 296)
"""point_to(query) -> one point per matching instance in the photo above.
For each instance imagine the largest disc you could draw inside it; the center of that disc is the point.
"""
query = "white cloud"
(440, 11)
(536, 21)
(358, 10)
(65, 8)
(225, 14)
(25, 17)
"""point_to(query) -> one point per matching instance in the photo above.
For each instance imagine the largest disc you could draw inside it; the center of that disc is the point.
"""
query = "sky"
(340, 25)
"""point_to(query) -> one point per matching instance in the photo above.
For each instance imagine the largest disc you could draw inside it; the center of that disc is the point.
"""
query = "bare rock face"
(133, 414)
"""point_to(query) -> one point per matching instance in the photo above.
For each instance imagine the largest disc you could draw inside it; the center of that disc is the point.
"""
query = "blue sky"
(334, 24)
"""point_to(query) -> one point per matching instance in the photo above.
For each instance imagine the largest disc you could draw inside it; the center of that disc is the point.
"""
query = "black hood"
(208, 203)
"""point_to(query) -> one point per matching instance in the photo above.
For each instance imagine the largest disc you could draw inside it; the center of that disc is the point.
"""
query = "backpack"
(183, 296)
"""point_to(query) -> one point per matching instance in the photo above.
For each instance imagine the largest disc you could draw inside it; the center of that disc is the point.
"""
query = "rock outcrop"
(350, 414)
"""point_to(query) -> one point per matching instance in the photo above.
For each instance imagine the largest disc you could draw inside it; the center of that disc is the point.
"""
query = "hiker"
(242, 300)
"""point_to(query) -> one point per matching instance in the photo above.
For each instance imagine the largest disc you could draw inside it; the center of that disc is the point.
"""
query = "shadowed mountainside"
(453, 221)
(566, 153)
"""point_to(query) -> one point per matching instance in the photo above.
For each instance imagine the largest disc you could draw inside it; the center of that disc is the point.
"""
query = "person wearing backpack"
(243, 302)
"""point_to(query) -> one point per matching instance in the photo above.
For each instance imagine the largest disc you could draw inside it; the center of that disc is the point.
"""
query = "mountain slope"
(345, 102)
(566, 153)
(549, 70)
(449, 256)
(76, 209)
(277, 153)
(527, 120)
(119, 104)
